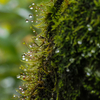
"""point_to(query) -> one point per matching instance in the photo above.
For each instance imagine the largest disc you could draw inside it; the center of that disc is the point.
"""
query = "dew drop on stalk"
(23, 92)
(79, 42)
(23, 58)
(27, 20)
(36, 38)
(33, 30)
(30, 15)
(18, 76)
(33, 3)
(14, 95)
(26, 59)
(67, 70)
(31, 7)
(90, 29)
(92, 51)
(32, 21)
(35, 10)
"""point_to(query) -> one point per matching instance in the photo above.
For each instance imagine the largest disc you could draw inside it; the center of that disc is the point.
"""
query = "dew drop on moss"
(27, 20)
(31, 8)
(79, 42)
(90, 29)
(14, 95)
(51, 99)
(33, 3)
(67, 70)
(18, 76)
(30, 15)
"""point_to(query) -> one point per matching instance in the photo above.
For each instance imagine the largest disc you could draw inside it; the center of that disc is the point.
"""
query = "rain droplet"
(23, 58)
(26, 59)
(35, 10)
(88, 74)
(57, 51)
(33, 3)
(67, 70)
(82, 55)
(30, 55)
(32, 21)
(30, 46)
(89, 54)
(33, 30)
(31, 7)
(20, 88)
(79, 42)
(71, 60)
(51, 98)
(23, 92)
(88, 25)
(30, 15)
(90, 29)
(36, 38)
(27, 20)
(14, 95)
(92, 51)
(98, 45)
(24, 69)
(18, 76)
(36, 21)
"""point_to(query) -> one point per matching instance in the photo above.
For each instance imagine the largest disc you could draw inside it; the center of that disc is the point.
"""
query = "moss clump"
(66, 55)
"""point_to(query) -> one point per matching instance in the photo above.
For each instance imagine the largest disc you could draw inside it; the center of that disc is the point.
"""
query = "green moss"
(66, 55)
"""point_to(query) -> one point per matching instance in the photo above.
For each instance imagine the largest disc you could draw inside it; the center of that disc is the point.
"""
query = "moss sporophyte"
(63, 59)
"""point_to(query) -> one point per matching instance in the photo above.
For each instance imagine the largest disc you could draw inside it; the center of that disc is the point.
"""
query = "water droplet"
(35, 10)
(30, 15)
(30, 46)
(29, 52)
(27, 20)
(20, 88)
(82, 55)
(14, 95)
(32, 21)
(33, 3)
(98, 45)
(79, 42)
(57, 51)
(51, 98)
(91, 41)
(31, 8)
(67, 70)
(88, 74)
(88, 25)
(23, 92)
(36, 21)
(23, 58)
(36, 38)
(71, 60)
(37, 15)
(89, 54)
(18, 76)
(33, 30)
(92, 51)
(26, 59)
(25, 70)
(30, 55)
(90, 29)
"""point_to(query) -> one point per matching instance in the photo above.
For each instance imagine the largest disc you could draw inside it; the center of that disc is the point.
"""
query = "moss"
(65, 56)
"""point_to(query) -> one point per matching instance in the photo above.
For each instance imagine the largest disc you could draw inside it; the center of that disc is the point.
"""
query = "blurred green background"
(13, 32)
